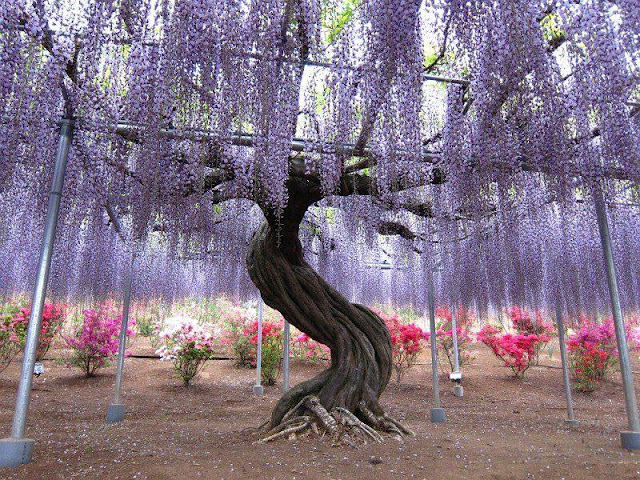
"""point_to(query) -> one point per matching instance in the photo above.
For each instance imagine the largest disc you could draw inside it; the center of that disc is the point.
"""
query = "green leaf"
(551, 29)
(340, 22)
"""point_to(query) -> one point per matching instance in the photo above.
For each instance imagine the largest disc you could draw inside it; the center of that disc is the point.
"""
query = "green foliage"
(337, 24)
(243, 351)
(331, 215)
(407, 315)
(146, 326)
(9, 348)
(551, 30)
(321, 95)
(431, 55)
(272, 353)
(147, 316)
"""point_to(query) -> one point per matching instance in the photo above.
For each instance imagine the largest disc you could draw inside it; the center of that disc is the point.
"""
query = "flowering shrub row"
(188, 343)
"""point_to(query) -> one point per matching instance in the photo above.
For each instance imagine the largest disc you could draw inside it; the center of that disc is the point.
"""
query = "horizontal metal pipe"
(242, 139)
(306, 63)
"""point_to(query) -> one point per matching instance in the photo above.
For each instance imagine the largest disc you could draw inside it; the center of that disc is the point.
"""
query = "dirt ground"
(501, 429)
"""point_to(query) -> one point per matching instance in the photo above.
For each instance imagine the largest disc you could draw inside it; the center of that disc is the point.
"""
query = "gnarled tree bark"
(359, 341)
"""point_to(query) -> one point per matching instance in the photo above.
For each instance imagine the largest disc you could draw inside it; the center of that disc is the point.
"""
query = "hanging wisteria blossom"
(315, 139)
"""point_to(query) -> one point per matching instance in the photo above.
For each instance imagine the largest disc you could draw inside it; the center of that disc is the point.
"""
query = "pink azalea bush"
(236, 322)
(305, 349)
(444, 335)
(94, 343)
(517, 351)
(406, 343)
(188, 345)
(593, 351)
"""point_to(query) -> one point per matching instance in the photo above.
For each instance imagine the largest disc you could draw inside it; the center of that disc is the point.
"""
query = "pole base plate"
(15, 452)
(630, 440)
(572, 423)
(458, 391)
(258, 389)
(438, 415)
(115, 413)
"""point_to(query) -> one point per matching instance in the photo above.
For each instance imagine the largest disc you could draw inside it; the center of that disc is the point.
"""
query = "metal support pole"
(16, 449)
(116, 409)
(258, 388)
(454, 335)
(456, 375)
(285, 362)
(437, 412)
(565, 367)
(631, 438)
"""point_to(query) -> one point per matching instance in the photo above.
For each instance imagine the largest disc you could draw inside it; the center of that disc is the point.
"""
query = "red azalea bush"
(444, 335)
(517, 351)
(593, 351)
(525, 324)
(305, 349)
(52, 320)
(14, 319)
(94, 343)
(9, 342)
(272, 349)
(406, 343)
(241, 336)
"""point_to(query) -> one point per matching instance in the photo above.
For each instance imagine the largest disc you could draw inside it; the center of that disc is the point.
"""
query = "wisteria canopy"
(320, 139)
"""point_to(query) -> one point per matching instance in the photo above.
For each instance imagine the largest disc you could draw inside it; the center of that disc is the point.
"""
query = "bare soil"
(501, 429)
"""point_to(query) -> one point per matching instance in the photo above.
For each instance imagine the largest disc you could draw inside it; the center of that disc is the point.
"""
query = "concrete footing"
(258, 389)
(115, 413)
(458, 391)
(630, 440)
(438, 415)
(15, 452)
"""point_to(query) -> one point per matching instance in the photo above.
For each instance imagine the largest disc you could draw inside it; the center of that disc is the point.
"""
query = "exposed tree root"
(404, 430)
(292, 430)
(342, 425)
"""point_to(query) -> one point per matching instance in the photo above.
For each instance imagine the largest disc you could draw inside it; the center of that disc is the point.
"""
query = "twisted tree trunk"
(359, 341)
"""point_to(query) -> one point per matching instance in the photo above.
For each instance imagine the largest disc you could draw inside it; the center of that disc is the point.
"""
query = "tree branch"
(429, 68)
(396, 228)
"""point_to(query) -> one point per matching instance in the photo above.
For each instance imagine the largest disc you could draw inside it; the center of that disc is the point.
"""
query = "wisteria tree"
(188, 112)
